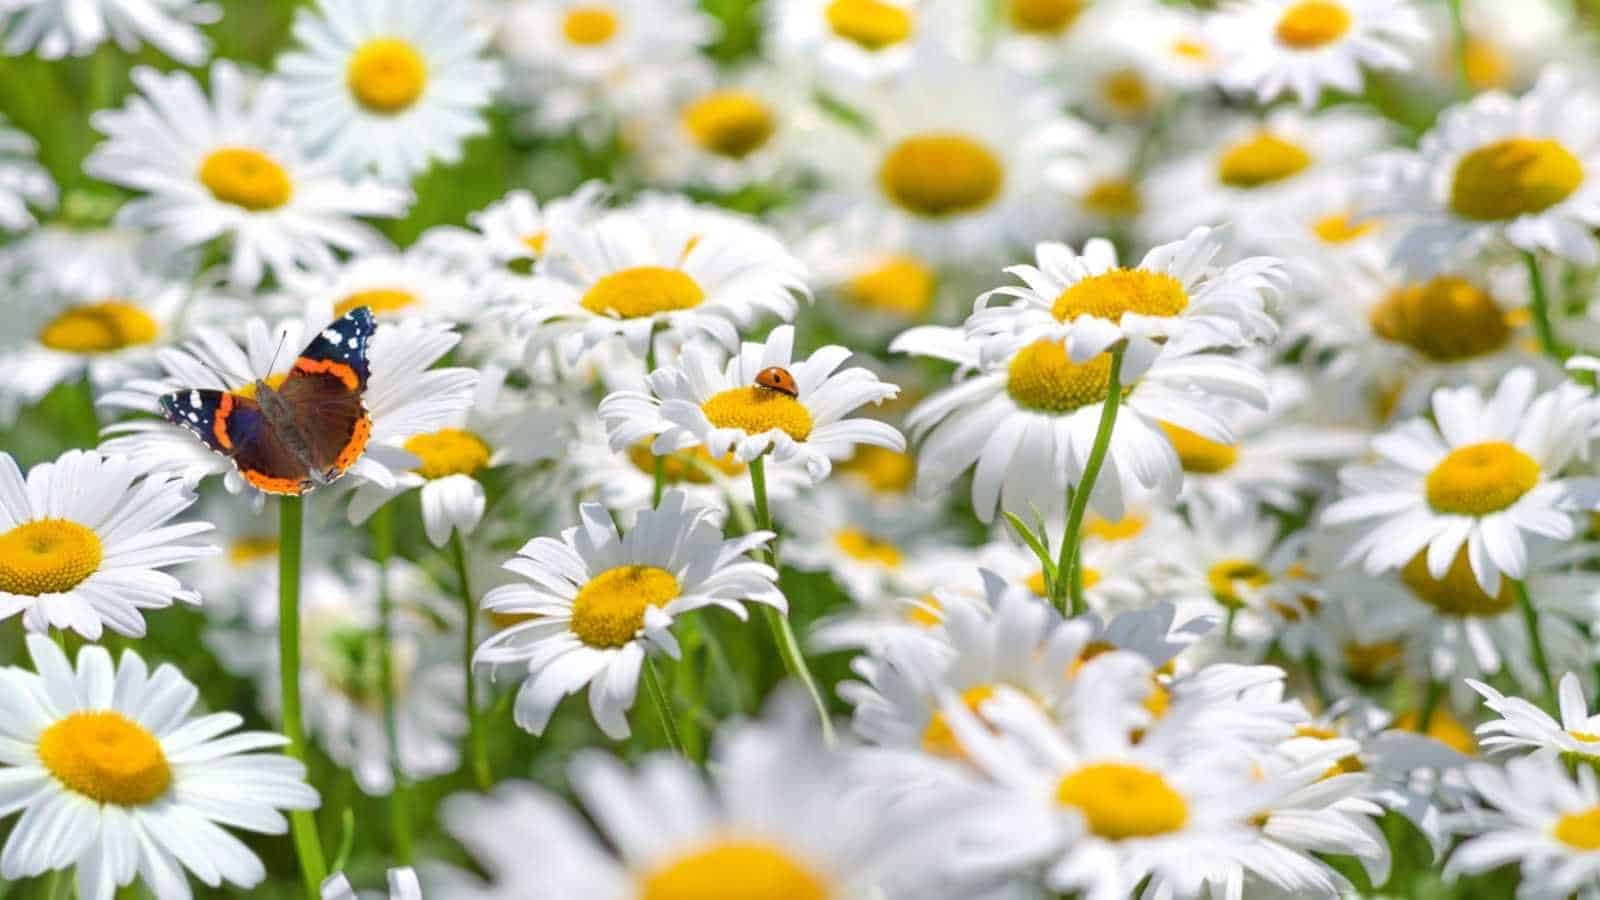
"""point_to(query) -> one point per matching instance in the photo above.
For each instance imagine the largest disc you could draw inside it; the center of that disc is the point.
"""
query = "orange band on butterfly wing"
(338, 370)
(219, 424)
(272, 485)
(358, 442)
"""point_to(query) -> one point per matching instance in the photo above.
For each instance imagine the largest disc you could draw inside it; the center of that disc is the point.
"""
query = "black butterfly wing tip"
(361, 315)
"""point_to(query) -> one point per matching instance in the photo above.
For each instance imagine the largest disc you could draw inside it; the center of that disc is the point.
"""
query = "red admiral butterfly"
(305, 432)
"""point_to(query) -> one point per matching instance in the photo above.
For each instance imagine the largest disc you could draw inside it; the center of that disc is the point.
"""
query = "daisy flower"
(403, 885)
(1485, 478)
(224, 166)
(602, 601)
(874, 282)
(1524, 727)
(405, 395)
(1104, 190)
(693, 404)
(1091, 303)
(83, 542)
(115, 778)
(852, 41)
(868, 548)
(394, 85)
(662, 264)
(726, 131)
(1303, 47)
(1506, 46)
(1540, 818)
(394, 284)
(23, 182)
(512, 232)
(56, 29)
(1516, 169)
(1027, 420)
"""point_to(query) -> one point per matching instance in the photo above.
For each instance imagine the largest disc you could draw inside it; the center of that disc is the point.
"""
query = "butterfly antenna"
(272, 366)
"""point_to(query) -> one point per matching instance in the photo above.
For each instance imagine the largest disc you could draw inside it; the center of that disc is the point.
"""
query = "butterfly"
(303, 433)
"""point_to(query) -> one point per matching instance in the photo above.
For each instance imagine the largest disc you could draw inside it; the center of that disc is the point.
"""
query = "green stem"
(1539, 308)
(1530, 618)
(658, 697)
(89, 417)
(1313, 664)
(303, 825)
(399, 800)
(1430, 702)
(1067, 580)
(475, 745)
(1227, 625)
(1458, 30)
(794, 661)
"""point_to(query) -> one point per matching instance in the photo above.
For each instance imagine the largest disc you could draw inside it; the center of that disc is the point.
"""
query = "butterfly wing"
(324, 390)
(235, 426)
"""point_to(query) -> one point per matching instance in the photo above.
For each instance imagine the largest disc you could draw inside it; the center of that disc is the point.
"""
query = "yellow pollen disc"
(106, 757)
(379, 300)
(1316, 731)
(535, 242)
(1231, 579)
(871, 24)
(685, 466)
(1189, 48)
(1585, 736)
(1117, 197)
(1340, 228)
(643, 291)
(1347, 765)
(1457, 593)
(503, 620)
(1260, 160)
(939, 175)
(448, 451)
(1579, 829)
(901, 285)
(1513, 177)
(590, 26)
(1312, 24)
(47, 556)
(273, 381)
(1090, 651)
(885, 471)
(1129, 526)
(859, 545)
(1372, 662)
(1487, 66)
(1444, 727)
(730, 123)
(1479, 479)
(1044, 16)
(1042, 378)
(1446, 319)
(1126, 91)
(609, 610)
(735, 870)
(246, 178)
(1158, 701)
(99, 328)
(1121, 800)
(927, 612)
(938, 738)
(1112, 294)
(1036, 584)
(387, 75)
(1199, 454)
(756, 409)
(245, 551)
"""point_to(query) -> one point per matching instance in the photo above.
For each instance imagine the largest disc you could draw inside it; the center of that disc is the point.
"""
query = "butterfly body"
(306, 431)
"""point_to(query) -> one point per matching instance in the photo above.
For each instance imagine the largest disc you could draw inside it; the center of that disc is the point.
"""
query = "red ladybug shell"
(778, 379)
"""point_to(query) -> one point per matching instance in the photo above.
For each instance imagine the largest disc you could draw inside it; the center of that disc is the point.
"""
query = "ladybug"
(776, 378)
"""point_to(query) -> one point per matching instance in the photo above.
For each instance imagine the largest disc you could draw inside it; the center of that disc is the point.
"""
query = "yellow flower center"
(730, 123)
(1371, 662)
(901, 285)
(1191, 49)
(1585, 736)
(1261, 160)
(1044, 16)
(1126, 92)
(1513, 177)
(1579, 829)
(735, 870)
(927, 612)
(1446, 319)
(106, 757)
(1112, 294)
(379, 300)
(1118, 197)
(609, 610)
(503, 620)
(858, 545)
(884, 471)
(245, 551)
(939, 739)
(1313, 23)
(1042, 378)
(246, 178)
(99, 328)
(756, 409)
(535, 242)
(1036, 582)
(1444, 727)
(871, 24)
(643, 291)
(1232, 579)
(1341, 228)
(1479, 479)
(1487, 65)
(589, 26)
(939, 175)
(685, 466)
(1121, 800)
(47, 556)
(1457, 593)
(1316, 731)
(1129, 526)
(387, 75)
(1199, 454)
(448, 451)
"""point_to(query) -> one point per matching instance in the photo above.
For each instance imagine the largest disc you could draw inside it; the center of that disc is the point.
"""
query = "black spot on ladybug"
(776, 378)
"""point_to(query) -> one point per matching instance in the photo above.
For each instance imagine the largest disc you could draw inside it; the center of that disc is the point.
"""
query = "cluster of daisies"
(805, 449)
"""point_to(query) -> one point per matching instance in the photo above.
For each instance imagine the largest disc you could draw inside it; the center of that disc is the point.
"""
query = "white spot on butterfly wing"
(331, 335)
(194, 399)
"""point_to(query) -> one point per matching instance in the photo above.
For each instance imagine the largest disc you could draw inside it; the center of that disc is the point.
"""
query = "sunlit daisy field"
(799, 449)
